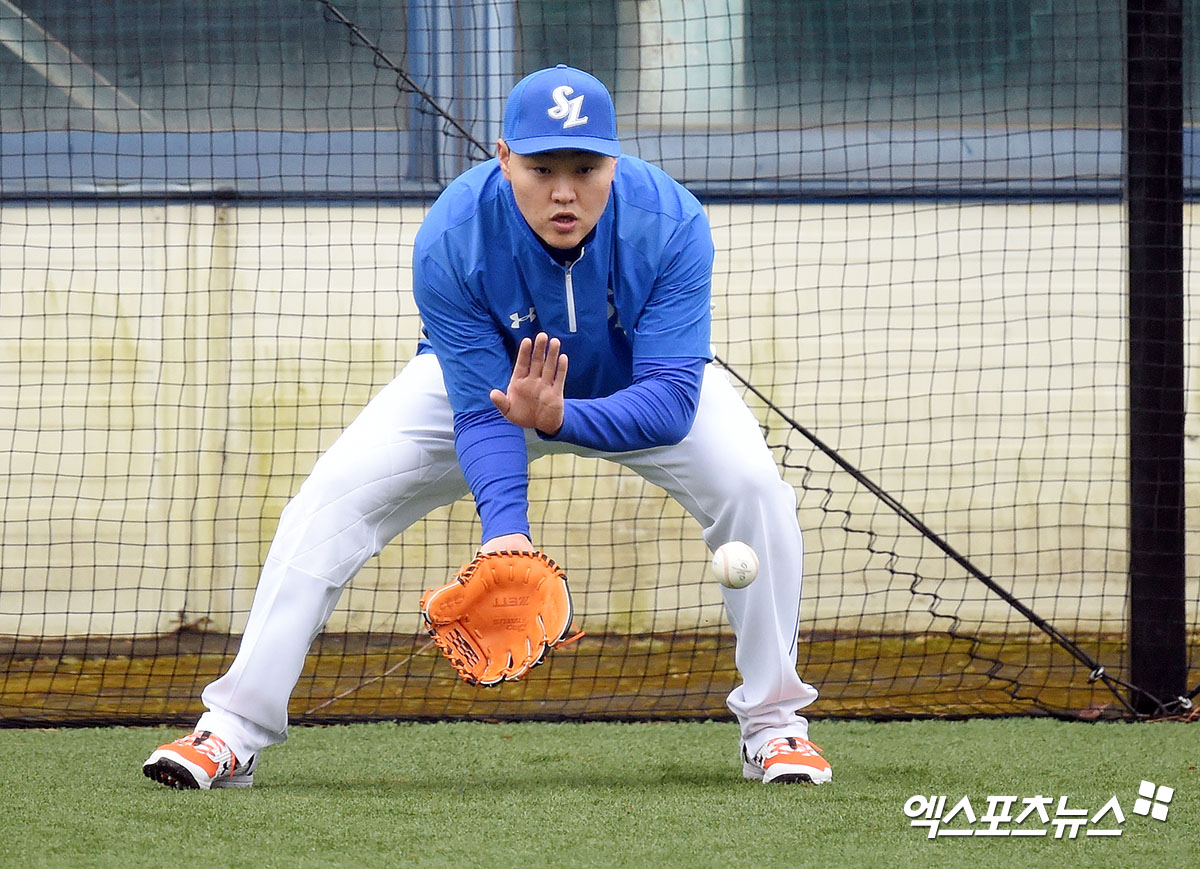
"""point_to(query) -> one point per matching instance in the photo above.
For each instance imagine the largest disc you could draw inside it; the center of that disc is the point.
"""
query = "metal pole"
(1154, 197)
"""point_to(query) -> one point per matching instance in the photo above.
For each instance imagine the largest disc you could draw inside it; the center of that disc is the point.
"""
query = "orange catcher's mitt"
(499, 615)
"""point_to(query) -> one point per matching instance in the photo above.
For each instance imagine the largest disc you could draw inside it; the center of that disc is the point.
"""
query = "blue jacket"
(633, 314)
(641, 289)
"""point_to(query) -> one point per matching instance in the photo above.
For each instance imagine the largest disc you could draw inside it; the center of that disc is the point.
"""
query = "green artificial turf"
(562, 795)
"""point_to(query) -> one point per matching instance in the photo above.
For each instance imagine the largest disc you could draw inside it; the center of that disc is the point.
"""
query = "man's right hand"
(535, 391)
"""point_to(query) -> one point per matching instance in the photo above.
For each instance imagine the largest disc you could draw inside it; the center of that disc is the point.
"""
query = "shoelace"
(214, 748)
(788, 745)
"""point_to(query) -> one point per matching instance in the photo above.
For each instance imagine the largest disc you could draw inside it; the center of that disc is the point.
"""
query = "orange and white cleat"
(786, 759)
(201, 760)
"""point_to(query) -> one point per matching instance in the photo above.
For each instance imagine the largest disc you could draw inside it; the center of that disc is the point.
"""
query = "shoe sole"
(176, 775)
(756, 773)
(794, 778)
(172, 774)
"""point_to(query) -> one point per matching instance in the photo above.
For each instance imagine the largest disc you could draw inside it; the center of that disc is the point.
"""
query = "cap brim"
(541, 144)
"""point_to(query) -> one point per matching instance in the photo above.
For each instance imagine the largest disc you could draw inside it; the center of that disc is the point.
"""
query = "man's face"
(561, 194)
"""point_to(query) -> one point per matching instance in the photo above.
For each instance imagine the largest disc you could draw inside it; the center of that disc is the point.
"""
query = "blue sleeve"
(471, 349)
(676, 320)
(656, 410)
(491, 453)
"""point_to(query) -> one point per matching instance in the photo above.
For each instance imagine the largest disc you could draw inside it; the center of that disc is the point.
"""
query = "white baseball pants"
(396, 462)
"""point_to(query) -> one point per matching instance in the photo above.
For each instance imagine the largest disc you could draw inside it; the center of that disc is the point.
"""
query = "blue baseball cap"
(561, 108)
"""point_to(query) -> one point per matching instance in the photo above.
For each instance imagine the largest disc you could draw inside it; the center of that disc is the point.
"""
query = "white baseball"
(735, 564)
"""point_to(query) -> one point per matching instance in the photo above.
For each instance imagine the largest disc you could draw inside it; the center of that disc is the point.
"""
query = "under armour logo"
(614, 316)
(517, 319)
(565, 108)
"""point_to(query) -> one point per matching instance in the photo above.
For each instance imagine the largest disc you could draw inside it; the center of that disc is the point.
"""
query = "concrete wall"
(168, 375)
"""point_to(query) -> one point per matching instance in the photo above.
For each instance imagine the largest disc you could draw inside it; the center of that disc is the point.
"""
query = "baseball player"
(565, 293)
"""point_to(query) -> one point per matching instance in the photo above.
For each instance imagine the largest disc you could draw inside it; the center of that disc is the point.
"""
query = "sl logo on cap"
(565, 108)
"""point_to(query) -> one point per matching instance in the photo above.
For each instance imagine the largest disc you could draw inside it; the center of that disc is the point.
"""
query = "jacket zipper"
(572, 326)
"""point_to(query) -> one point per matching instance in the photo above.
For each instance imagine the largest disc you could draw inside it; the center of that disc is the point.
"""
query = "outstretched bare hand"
(535, 392)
